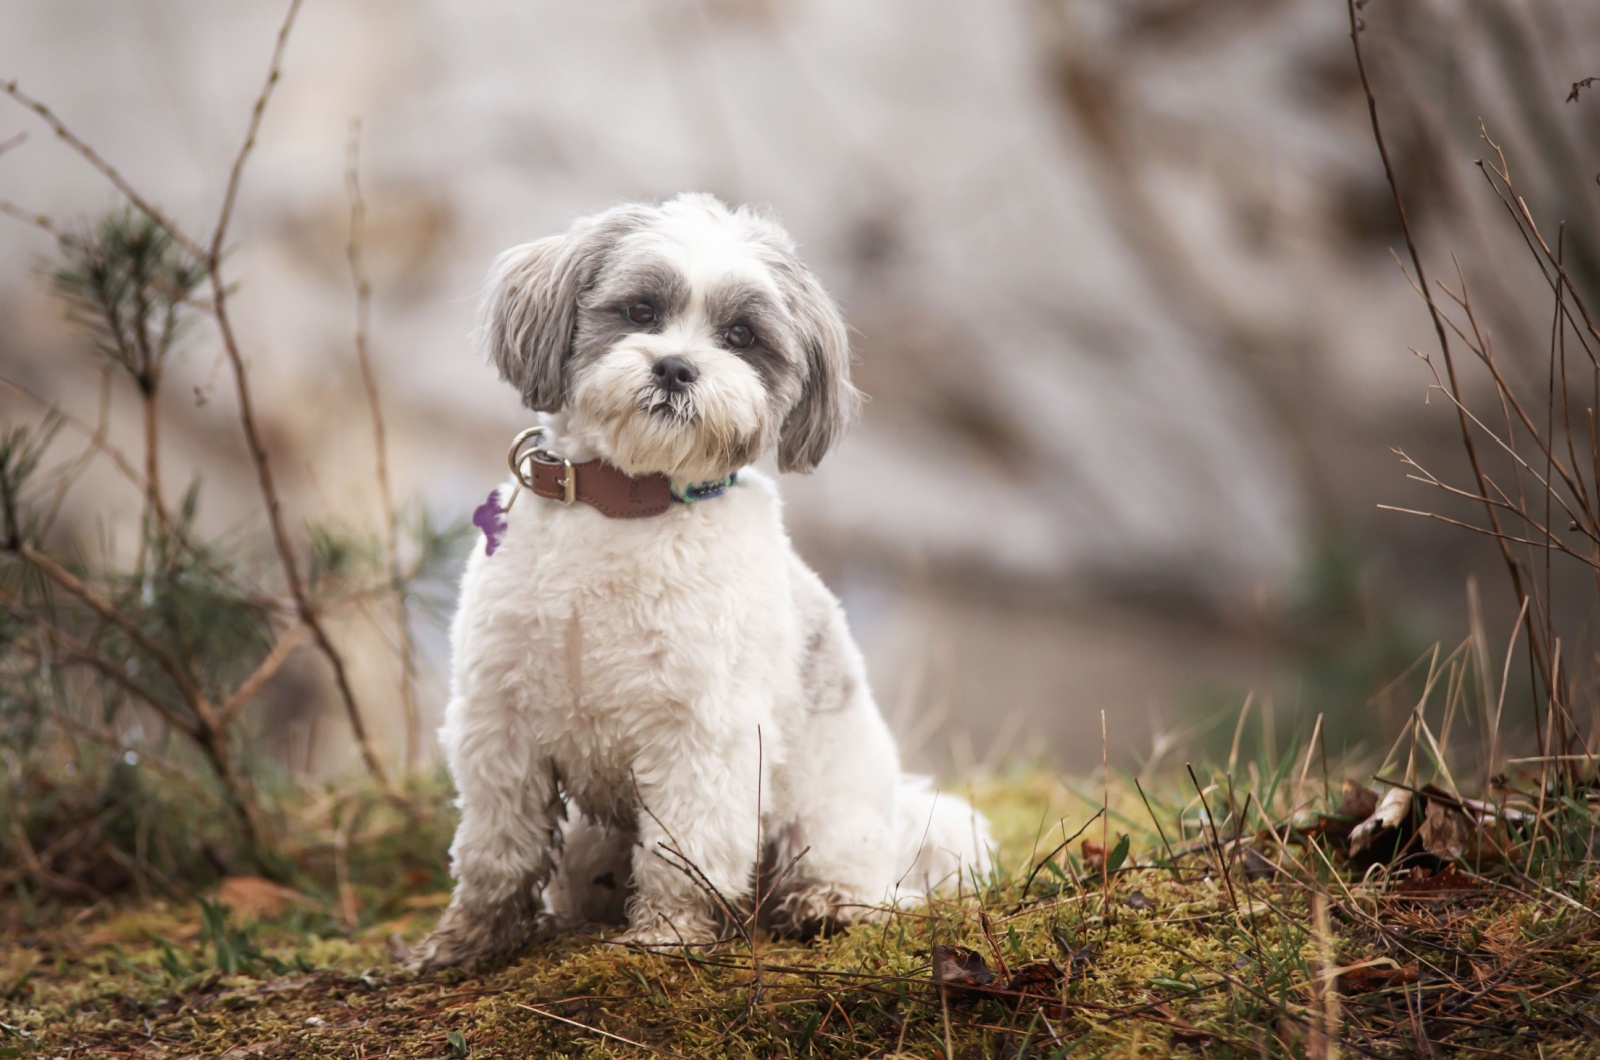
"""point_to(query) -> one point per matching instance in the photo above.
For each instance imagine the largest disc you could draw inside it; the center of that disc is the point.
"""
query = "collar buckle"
(519, 458)
(568, 482)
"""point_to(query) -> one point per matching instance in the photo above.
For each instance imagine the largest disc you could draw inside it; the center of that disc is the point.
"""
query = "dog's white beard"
(705, 432)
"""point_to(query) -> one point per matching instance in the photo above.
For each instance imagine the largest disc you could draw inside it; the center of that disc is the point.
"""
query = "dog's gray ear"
(828, 402)
(531, 309)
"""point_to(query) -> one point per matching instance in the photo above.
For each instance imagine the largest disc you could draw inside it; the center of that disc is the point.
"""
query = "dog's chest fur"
(631, 644)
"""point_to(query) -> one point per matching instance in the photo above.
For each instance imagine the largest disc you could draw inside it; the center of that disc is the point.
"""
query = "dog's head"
(684, 338)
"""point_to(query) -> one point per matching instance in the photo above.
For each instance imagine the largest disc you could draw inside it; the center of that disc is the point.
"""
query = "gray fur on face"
(775, 354)
(828, 403)
(602, 319)
(530, 314)
(627, 281)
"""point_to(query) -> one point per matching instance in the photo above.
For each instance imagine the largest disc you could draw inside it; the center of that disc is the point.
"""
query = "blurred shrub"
(127, 669)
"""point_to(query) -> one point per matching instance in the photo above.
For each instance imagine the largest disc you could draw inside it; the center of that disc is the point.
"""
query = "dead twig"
(1438, 324)
(90, 155)
(259, 456)
(356, 254)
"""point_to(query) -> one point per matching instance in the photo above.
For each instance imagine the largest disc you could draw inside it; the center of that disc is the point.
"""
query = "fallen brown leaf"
(957, 969)
(962, 973)
(257, 898)
(1038, 978)
(1370, 977)
(1445, 831)
(1356, 802)
(1424, 881)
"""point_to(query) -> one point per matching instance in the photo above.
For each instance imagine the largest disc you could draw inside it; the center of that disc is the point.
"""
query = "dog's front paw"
(819, 909)
(659, 932)
(469, 939)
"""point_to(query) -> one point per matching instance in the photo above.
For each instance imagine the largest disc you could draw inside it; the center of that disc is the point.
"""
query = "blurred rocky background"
(1120, 274)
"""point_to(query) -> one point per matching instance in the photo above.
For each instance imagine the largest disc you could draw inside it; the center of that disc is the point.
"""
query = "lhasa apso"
(657, 712)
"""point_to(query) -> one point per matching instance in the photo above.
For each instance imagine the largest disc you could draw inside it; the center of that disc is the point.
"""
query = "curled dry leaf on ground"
(1432, 821)
(957, 968)
(1373, 975)
(1423, 881)
(962, 973)
(1446, 831)
(1356, 803)
(1096, 858)
(1382, 828)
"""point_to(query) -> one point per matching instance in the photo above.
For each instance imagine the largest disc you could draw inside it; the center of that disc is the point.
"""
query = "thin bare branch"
(1504, 390)
(219, 234)
(253, 438)
(1433, 312)
(90, 155)
(1479, 530)
(356, 254)
(1530, 228)
(287, 642)
(1519, 508)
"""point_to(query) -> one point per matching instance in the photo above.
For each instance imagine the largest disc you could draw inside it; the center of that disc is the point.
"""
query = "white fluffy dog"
(657, 711)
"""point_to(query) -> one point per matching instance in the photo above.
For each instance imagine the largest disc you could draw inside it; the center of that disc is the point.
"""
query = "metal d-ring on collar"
(517, 457)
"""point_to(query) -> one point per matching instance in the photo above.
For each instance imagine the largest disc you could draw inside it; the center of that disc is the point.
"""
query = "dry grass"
(1203, 935)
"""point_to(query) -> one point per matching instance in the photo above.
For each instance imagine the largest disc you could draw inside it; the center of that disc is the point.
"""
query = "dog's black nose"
(674, 373)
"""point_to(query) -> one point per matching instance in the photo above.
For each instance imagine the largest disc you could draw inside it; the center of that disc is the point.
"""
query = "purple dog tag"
(491, 519)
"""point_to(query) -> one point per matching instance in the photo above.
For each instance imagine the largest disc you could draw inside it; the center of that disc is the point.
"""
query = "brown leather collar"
(596, 483)
(603, 486)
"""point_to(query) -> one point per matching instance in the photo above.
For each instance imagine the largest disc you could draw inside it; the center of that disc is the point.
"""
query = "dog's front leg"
(698, 832)
(504, 847)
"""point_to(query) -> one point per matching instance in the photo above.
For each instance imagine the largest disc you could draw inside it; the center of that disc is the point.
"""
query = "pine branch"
(211, 733)
(73, 650)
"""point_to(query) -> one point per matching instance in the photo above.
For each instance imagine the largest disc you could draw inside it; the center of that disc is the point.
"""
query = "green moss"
(1195, 961)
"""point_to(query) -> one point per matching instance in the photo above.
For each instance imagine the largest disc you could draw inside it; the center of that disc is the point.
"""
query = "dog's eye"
(739, 337)
(642, 313)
